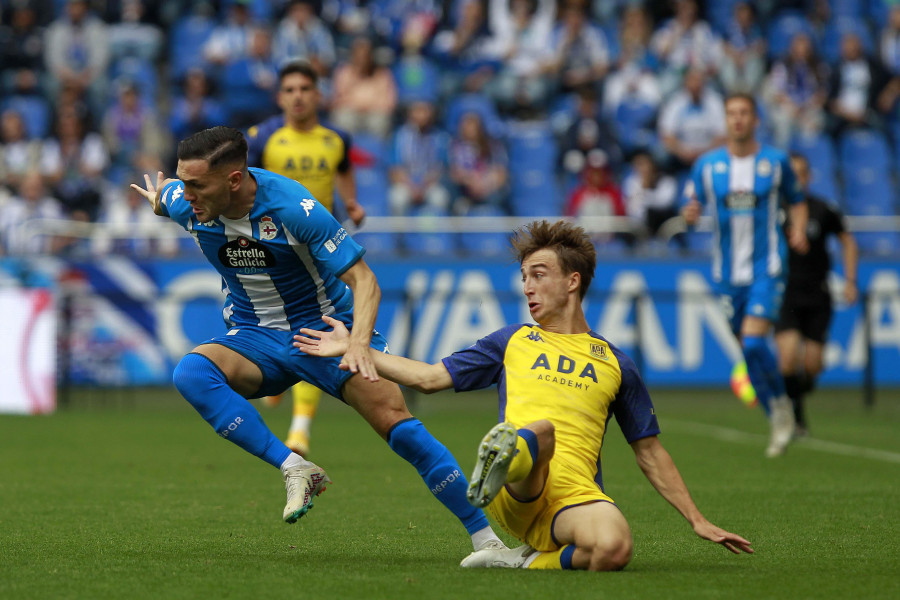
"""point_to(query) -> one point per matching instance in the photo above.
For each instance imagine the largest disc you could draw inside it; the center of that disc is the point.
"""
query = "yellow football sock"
(306, 399)
(556, 560)
(523, 461)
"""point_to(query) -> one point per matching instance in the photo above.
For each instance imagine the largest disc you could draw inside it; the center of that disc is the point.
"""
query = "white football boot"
(303, 483)
(495, 555)
(495, 454)
(782, 426)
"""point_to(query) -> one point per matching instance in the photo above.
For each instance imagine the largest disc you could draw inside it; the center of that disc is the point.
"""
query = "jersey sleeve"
(632, 407)
(344, 165)
(174, 205)
(481, 364)
(255, 146)
(693, 187)
(790, 187)
(835, 223)
(312, 224)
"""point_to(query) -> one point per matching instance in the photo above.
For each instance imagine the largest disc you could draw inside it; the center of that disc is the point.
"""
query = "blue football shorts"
(762, 298)
(283, 365)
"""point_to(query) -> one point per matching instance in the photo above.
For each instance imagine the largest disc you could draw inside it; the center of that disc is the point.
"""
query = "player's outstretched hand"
(151, 194)
(732, 541)
(324, 343)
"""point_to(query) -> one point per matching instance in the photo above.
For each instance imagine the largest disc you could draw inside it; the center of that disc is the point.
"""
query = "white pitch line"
(734, 435)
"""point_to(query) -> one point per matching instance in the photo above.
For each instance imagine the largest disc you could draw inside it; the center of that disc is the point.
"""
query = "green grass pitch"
(131, 495)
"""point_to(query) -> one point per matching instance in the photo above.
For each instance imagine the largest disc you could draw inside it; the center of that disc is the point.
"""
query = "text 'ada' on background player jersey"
(742, 195)
(311, 157)
(576, 381)
(280, 263)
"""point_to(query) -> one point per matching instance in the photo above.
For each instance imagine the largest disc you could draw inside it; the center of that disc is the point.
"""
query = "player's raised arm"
(415, 374)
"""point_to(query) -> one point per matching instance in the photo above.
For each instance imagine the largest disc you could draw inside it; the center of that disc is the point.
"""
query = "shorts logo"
(599, 351)
(267, 229)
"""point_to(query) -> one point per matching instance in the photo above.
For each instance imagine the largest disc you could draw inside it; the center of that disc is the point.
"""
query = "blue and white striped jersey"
(280, 263)
(742, 195)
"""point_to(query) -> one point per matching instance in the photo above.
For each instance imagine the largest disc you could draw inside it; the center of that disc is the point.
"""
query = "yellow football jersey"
(576, 381)
(311, 157)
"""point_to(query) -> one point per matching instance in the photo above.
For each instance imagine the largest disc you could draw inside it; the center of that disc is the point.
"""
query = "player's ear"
(234, 180)
(574, 282)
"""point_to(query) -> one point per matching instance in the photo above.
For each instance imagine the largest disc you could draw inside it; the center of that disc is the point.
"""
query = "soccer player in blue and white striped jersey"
(285, 263)
(742, 186)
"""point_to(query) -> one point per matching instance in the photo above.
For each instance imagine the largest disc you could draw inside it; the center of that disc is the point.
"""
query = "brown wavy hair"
(572, 245)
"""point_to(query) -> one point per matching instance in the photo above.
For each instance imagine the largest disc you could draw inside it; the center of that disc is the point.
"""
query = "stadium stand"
(157, 44)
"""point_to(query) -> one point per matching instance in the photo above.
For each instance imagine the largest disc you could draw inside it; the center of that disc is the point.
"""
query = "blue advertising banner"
(133, 320)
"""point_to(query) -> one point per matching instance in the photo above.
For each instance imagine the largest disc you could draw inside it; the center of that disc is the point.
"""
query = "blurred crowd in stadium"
(456, 107)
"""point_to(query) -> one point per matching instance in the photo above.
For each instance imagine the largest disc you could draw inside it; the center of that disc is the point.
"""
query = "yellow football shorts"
(532, 521)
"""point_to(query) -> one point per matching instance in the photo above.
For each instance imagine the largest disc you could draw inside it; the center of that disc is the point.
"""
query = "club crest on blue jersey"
(243, 253)
(267, 229)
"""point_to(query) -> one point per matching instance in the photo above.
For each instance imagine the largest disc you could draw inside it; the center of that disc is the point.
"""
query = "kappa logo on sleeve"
(308, 204)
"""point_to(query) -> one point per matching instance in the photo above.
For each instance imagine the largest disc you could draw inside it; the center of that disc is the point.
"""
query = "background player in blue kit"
(285, 262)
(742, 185)
(559, 383)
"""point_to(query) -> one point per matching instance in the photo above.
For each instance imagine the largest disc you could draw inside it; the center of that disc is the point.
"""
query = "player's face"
(545, 285)
(298, 97)
(207, 191)
(740, 119)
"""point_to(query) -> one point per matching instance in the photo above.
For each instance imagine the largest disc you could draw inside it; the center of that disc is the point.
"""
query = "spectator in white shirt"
(692, 121)
(650, 196)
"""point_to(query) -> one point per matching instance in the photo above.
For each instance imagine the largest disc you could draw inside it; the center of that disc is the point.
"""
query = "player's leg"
(518, 459)
(216, 381)
(381, 404)
(790, 345)
(595, 537)
(306, 402)
(768, 382)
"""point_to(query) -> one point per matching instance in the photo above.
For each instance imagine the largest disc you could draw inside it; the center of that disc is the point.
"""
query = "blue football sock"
(203, 384)
(762, 366)
(438, 468)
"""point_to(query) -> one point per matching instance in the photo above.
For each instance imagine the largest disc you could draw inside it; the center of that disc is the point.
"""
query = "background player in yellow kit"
(558, 382)
(296, 145)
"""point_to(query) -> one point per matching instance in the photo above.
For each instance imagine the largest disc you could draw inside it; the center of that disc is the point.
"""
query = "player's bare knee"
(611, 553)
(545, 432)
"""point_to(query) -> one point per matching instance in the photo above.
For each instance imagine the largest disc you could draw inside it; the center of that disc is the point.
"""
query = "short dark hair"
(298, 66)
(572, 245)
(743, 96)
(218, 146)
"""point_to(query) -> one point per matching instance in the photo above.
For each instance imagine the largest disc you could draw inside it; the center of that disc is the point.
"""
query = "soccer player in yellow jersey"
(296, 145)
(559, 383)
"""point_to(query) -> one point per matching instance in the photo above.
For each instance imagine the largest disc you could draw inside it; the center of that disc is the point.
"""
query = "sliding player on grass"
(285, 262)
(539, 470)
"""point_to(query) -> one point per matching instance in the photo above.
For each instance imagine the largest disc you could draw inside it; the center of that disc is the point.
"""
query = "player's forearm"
(345, 185)
(799, 216)
(660, 469)
(415, 374)
(366, 296)
(850, 256)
